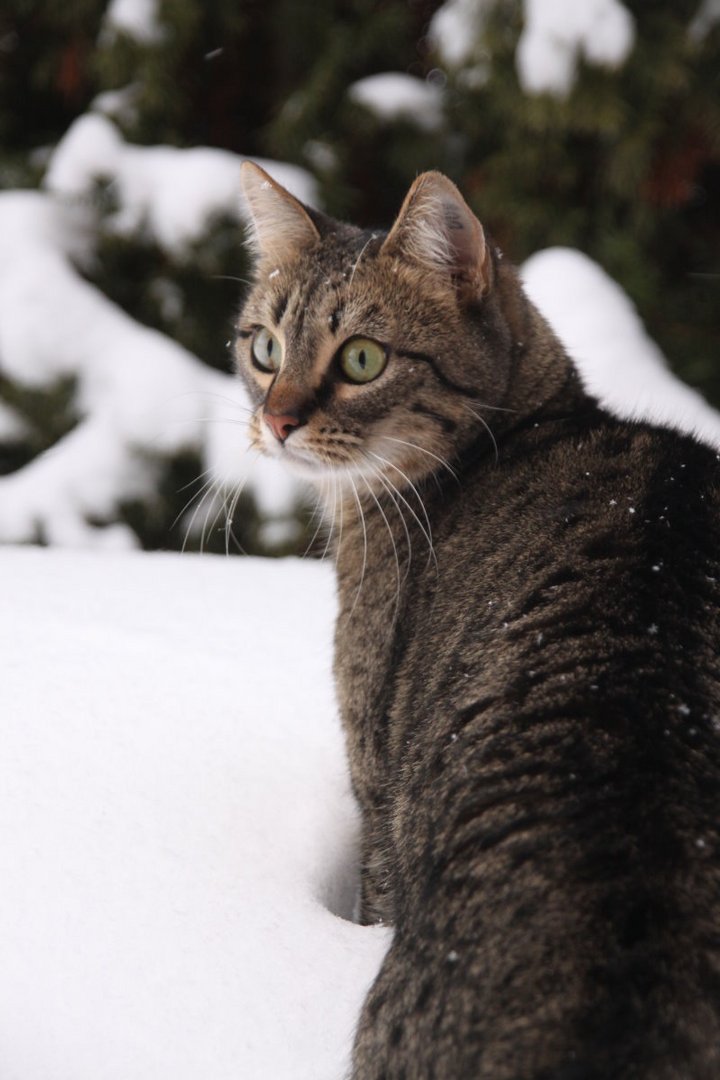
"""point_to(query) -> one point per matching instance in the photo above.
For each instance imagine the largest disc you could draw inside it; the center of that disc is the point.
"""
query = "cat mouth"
(304, 462)
(316, 464)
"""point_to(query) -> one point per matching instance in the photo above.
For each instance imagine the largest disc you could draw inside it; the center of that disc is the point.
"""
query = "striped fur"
(527, 661)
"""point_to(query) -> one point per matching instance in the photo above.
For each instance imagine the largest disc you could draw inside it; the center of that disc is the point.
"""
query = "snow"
(173, 193)
(181, 862)
(455, 29)
(601, 330)
(708, 15)
(12, 427)
(142, 397)
(393, 96)
(136, 18)
(557, 32)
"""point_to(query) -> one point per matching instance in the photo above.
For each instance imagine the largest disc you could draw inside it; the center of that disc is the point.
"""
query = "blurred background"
(592, 124)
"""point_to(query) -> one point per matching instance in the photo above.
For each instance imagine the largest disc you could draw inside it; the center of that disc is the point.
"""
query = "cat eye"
(266, 350)
(362, 360)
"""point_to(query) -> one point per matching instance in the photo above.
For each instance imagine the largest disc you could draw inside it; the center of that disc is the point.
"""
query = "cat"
(527, 653)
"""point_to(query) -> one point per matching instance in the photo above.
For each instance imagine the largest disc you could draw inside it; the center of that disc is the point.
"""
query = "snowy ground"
(177, 846)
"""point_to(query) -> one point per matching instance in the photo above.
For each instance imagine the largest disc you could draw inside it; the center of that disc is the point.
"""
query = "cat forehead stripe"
(280, 307)
(335, 318)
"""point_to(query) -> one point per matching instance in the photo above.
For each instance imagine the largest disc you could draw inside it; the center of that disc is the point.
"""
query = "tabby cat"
(527, 653)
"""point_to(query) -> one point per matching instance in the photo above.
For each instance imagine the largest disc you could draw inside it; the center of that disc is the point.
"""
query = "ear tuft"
(437, 229)
(280, 223)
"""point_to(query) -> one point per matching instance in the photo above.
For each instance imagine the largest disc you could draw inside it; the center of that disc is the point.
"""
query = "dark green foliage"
(46, 59)
(627, 169)
(190, 80)
(46, 412)
(339, 44)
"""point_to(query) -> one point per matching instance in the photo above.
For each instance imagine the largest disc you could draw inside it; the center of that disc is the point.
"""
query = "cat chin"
(302, 463)
(307, 466)
(306, 469)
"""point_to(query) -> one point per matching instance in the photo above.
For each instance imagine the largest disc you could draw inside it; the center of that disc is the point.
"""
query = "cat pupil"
(361, 359)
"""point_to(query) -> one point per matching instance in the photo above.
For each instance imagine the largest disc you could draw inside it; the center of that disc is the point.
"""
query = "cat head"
(371, 354)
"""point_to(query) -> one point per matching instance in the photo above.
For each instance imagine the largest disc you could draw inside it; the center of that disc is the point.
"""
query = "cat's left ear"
(437, 228)
(281, 224)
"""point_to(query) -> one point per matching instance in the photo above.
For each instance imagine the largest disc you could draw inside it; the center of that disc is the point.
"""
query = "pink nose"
(281, 426)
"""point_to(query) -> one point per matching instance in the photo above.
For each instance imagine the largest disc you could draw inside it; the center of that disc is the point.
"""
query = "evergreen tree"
(626, 168)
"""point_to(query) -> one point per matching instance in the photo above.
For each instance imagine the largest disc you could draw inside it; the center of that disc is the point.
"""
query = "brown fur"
(526, 659)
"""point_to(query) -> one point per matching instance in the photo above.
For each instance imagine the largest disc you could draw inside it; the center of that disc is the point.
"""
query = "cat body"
(538, 767)
(527, 655)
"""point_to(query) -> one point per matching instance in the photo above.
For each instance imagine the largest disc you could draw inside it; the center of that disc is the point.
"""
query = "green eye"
(266, 350)
(362, 360)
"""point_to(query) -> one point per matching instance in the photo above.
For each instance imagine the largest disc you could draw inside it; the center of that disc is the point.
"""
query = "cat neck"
(543, 383)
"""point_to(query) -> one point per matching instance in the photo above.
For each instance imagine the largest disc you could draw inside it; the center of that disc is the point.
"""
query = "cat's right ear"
(437, 229)
(280, 223)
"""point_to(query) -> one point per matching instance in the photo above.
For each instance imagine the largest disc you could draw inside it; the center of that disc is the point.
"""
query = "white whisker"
(230, 516)
(207, 491)
(365, 543)
(340, 505)
(357, 261)
(487, 428)
(394, 547)
(427, 532)
(241, 405)
(332, 518)
(416, 446)
(495, 408)
(320, 502)
(222, 508)
(392, 491)
(230, 277)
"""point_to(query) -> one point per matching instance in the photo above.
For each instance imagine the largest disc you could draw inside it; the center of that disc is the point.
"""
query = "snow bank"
(393, 96)
(601, 330)
(181, 855)
(171, 192)
(142, 396)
